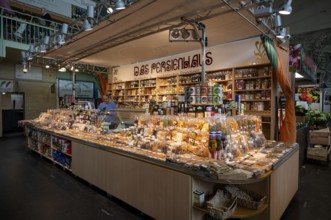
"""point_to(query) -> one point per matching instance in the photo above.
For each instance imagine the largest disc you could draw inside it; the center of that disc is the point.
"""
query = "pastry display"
(218, 147)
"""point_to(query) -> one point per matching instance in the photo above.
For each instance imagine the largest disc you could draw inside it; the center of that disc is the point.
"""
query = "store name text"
(172, 65)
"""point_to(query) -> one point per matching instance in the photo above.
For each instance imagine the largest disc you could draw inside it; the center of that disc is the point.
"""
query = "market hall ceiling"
(141, 32)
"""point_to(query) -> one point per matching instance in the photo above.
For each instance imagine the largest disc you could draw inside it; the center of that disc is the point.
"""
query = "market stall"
(158, 165)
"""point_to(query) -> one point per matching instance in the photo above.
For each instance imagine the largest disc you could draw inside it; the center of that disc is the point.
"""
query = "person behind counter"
(107, 105)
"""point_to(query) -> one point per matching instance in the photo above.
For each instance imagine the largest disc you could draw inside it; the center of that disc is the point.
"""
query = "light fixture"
(278, 21)
(90, 11)
(119, 5)
(298, 75)
(3, 93)
(47, 66)
(262, 12)
(61, 36)
(43, 47)
(110, 10)
(286, 8)
(29, 53)
(62, 69)
(185, 33)
(174, 33)
(25, 67)
(76, 70)
(20, 30)
(61, 39)
(88, 25)
(64, 29)
(281, 33)
(23, 55)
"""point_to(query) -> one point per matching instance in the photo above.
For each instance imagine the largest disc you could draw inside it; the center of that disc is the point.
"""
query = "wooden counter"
(163, 190)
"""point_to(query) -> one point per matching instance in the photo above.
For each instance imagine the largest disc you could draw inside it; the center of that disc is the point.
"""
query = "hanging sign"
(6, 86)
(245, 52)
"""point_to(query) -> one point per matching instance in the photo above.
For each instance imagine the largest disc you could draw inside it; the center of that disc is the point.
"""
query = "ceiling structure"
(141, 32)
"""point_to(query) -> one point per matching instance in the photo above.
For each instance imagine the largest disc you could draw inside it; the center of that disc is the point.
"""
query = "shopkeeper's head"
(107, 98)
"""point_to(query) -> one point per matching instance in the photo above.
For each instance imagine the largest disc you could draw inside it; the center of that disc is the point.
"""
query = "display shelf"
(255, 100)
(63, 166)
(251, 90)
(253, 77)
(240, 212)
(188, 84)
(220, 80)
(260, 113)
(146, 87)
(59, 150)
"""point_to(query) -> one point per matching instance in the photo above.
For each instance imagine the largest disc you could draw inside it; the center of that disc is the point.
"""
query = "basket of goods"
(221, 205)
(246, 198)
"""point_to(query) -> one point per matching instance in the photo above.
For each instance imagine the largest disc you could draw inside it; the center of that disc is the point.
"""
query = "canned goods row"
(204, 90)
(210, 100)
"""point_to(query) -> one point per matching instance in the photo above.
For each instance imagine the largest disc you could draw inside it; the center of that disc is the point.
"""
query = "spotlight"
(61, 39)
(46, 40)
(31, 48)
(119, 5)
(278, 21)
(47, 66)
(185, 33)
(61, 36)
(90, 11)
(62, 69)
(88, 25)
(281, 33)
(42, 48)
(175, 33)
(29, 55)
(110, 10)
(23, 55)
(286, 8)
(20, 30)
(262, 12)
(64, 29)
(25, 68)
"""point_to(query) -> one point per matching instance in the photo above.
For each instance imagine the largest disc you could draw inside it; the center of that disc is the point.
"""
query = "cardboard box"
(320, 137)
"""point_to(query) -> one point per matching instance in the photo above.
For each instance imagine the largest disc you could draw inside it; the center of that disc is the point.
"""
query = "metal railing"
(25, 28)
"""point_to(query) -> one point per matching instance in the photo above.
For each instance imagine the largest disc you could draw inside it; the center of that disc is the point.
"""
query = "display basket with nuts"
(246, 198)
(221, 205)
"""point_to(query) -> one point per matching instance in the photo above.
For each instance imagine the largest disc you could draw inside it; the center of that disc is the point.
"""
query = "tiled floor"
(33, 188)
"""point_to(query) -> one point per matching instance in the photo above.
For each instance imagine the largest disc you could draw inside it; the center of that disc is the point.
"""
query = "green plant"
(300, 110)
(314, 117)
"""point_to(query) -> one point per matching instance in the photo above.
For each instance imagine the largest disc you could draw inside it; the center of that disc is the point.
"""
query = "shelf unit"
(254, 84)
(260, 185)
(55, 149)
(225, 79)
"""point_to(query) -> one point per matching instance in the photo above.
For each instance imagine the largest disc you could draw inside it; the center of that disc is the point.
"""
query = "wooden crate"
(321, 136)
(318, 153)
